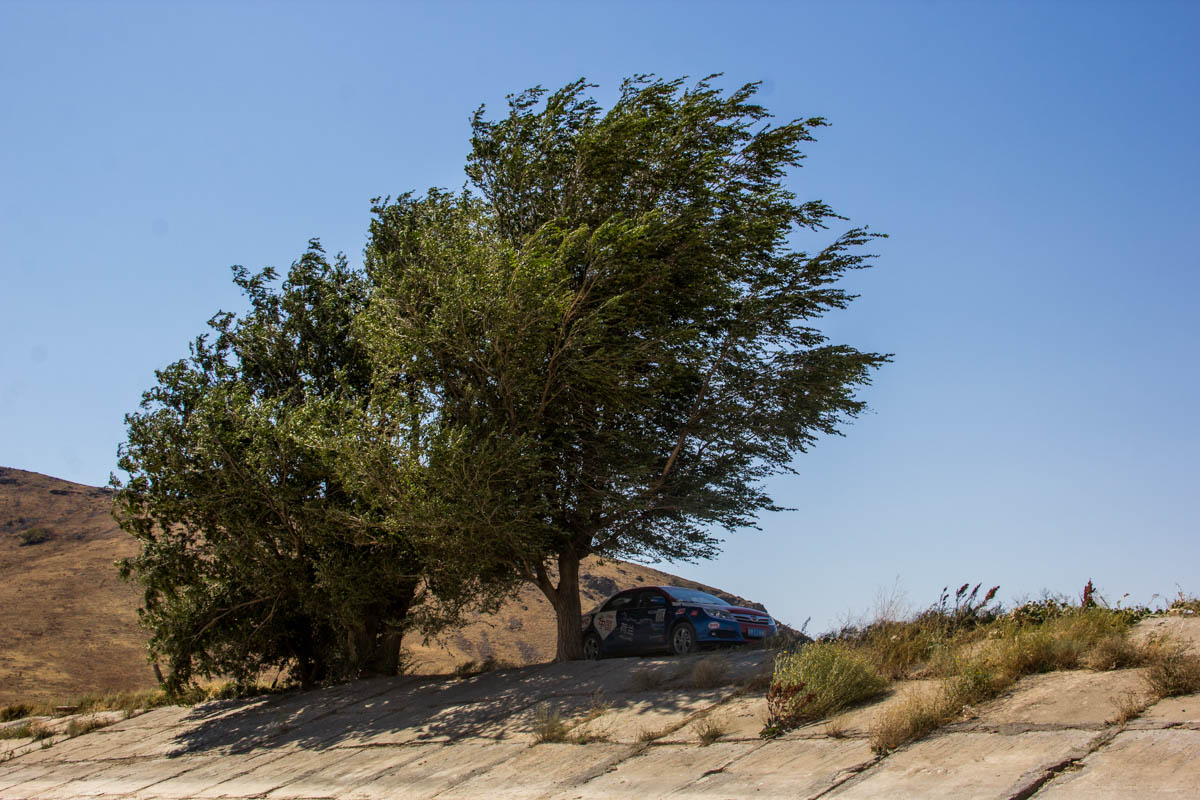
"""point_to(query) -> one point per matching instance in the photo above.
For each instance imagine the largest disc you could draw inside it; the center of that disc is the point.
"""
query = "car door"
(650, 619)
(614, 624)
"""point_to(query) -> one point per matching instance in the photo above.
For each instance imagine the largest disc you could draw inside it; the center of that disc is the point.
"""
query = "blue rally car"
(656, 618)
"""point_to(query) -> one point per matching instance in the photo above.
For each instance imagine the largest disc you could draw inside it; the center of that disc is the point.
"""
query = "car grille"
(754, 619)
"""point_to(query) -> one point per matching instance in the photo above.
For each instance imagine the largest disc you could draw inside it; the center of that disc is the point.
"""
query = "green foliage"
(819, 680)
(34, 536)
(256, 553)
(607, 340)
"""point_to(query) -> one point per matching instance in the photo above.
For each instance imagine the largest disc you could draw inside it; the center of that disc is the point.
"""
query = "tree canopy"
(606, 339)
(255, 554)
(601, 346)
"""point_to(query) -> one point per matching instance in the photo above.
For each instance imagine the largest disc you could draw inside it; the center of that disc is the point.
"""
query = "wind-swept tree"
(607, 339)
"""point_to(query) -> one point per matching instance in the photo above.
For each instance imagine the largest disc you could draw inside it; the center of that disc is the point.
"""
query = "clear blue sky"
(1036, 165)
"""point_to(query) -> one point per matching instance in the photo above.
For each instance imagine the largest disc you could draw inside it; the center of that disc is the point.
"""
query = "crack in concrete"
(1031, 782)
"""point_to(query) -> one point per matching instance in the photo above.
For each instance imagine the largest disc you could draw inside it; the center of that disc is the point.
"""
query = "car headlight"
(719, 614)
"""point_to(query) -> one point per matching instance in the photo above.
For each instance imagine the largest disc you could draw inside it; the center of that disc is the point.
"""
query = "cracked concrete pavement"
(1051, 737)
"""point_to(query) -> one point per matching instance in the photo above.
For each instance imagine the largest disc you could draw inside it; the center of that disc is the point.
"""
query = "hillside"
(68, 624)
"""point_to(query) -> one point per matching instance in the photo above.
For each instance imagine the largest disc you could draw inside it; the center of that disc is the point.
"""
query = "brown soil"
(68, 624)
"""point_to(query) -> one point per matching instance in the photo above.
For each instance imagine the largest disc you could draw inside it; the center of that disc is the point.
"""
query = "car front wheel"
(683, 639)
(592, 649)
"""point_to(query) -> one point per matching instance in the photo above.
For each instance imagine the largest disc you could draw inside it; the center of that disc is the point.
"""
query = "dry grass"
(548, 725)
(1117, 651)
(648, 735)
(1127, 706)
(709, 673)
(1173, 671)
(819, 680)
(648, 680)
(911, 718)
(710, 729)
(836, 728)
(78, 727)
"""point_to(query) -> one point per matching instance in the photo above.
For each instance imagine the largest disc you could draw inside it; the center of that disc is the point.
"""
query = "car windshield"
(693, 596)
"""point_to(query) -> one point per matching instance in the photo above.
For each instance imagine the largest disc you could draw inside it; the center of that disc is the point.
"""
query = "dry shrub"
(910, 718)
(548, 725)
(648, 735)
(710, 729)
(836, 728)
(1116, 651)
(648, 680)
(1173, 671)
(1127, 706)
(78, 727)
(709, 673)
(817, 681)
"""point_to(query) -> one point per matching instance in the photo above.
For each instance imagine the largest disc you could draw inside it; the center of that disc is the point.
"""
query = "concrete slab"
(13, 773)
(1144, 764)
(1182, 711)
(118, 778)
(439, 769)
(742, 719)
(539, 771)
(803, 768)
(46, 778)
(658, 771)
(958, 766)
(634, 714)
(203, 773)
(339, 771)
(1074, 698)
(1180, 628)
(269, 774)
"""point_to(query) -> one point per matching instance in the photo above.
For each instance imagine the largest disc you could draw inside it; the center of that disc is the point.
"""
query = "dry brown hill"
(68, 624)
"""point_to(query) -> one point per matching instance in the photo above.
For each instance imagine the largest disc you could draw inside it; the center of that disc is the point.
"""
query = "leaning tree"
(607, 342)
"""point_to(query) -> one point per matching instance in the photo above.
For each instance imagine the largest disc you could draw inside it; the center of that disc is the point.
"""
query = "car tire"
(683, 639)
(593, 648)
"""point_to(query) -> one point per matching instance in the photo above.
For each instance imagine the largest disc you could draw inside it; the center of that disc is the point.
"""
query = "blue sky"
(1035, 165)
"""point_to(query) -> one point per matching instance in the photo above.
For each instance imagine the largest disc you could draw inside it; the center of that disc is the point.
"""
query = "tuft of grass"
(819, 680)
(1173, 671)
(78, 727)
(709, 673)
(22, 731)
(1116, 651)
(710, 729)
(15, 711)
(1128, 706)
(836, 728)
(34, 536)
(548, 725)
(913, 717)
(648, 735)
(648, 680)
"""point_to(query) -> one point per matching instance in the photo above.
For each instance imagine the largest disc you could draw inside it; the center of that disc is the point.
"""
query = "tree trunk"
(567, 610)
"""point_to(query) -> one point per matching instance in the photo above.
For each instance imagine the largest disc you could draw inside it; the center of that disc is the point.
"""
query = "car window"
(694, 596)
(651, 599)
(619, 601)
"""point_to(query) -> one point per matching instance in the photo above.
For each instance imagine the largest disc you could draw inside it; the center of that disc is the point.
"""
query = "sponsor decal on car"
(587, 620)
(695, 612)
(680, 611)
(606, 621)
(712, 626)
